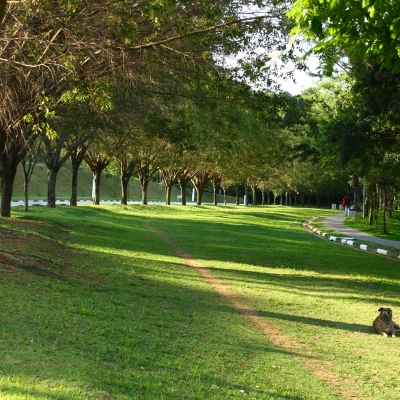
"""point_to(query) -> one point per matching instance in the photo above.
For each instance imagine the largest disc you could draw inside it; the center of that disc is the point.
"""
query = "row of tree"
(144, 86)
(82, 68)
(232, 143)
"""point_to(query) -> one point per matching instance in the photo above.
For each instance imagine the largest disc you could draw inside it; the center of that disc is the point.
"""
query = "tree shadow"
(325, 323)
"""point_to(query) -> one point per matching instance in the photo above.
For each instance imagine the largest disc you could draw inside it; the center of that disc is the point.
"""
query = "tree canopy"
(361, 29)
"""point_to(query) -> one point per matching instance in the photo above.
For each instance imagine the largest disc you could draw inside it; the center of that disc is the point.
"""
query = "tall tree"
(77, 155)
(98, 156)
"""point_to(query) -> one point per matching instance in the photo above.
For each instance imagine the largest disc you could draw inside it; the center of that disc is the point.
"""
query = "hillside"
(110, 187)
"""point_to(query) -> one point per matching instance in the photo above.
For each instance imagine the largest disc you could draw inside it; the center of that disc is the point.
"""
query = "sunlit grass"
(376, 228)
(95, 305)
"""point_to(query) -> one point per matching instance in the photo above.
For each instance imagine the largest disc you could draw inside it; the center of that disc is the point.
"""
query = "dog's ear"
(381, 309)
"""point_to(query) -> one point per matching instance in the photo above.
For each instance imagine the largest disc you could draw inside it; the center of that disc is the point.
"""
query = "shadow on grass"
(127, 321)
(319, 322)
(124, 322)
(315, 286)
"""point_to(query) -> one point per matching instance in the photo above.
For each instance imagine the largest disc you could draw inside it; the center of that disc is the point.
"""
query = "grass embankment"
(110, 187)
(96, 304)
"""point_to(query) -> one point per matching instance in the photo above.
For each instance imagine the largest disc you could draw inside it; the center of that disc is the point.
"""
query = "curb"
(347, 241)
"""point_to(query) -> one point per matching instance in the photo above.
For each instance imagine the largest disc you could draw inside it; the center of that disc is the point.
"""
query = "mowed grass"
(376, 228)
(94, 305)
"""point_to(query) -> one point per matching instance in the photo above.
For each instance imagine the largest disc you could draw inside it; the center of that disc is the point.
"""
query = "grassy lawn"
(95, 303)
(376, 229)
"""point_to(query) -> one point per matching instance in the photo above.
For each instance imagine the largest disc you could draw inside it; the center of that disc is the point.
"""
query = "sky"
(303, 80)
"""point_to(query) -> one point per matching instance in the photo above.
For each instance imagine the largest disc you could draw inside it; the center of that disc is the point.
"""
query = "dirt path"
(343, 386)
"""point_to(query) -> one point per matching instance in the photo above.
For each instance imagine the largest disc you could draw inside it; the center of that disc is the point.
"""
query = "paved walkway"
(336, 223)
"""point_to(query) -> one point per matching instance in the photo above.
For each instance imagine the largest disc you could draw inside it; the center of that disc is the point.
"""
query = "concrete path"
(336, 223)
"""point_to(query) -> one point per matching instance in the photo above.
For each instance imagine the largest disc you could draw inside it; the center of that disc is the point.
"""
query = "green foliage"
(359, 29)
(98, 94)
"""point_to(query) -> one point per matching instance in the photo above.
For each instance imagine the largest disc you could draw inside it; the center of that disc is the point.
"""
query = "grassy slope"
(95, 305)
(110, 187)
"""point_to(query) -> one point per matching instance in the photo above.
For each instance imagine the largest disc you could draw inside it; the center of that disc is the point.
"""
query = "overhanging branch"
(205, 30)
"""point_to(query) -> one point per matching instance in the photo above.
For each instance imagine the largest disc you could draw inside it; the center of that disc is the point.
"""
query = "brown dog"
(383, 323)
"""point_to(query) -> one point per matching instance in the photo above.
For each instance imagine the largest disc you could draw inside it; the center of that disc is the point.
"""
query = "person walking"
(347, 204)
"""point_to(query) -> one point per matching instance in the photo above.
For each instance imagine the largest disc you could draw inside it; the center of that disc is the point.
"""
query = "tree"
(77, 155)
(28, 165)
(55, 156)
(146, 168)
(184, 175)
(98, 156)
(200, 180)
(127, 169)
(14, 149)
(216, 180)
(359, 29)
(67, 50)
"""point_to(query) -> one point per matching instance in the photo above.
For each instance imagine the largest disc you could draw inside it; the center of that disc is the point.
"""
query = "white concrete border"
(347, 241)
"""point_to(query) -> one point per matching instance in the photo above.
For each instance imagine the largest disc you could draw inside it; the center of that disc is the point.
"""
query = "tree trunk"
(182, 185)
(51, 187)
(371, 205)
(28, 165)
(216, 181)
(168, 191)
(357, 193)
(199, 195)
(127, 168)
(124, 189)
(145, 170)
(76, 158)
(170, 176)
(97, 185)
(200, 181)
(254, 191)
(11, 154)
(7, 184)
(74, 185)
(144, 184)
(183, 179)
(237, 195)
(215, 196)
(54, 161)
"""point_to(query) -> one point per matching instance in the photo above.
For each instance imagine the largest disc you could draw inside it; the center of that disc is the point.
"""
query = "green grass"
(95, 305)
(376, 229)
(362, 224)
